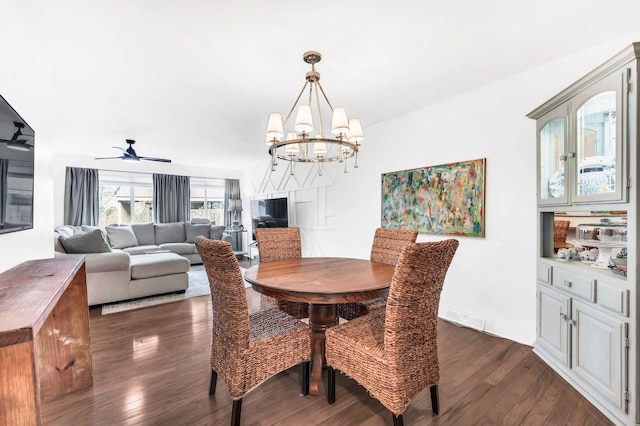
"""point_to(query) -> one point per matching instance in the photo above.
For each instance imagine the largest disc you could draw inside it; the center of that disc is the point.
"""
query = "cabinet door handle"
(566, 283)
(563, 158)
(563, 316)
(571, 154)
(572, 322)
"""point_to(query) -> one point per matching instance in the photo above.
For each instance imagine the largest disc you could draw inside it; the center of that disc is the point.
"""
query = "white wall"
(23, 83)
(491, 278)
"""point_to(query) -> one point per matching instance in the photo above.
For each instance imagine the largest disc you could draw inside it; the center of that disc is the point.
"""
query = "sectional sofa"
(138, 260)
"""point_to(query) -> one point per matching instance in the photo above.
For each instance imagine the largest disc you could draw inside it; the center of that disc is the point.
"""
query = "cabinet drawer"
(613, 298)
(578, 285)
(544, 273)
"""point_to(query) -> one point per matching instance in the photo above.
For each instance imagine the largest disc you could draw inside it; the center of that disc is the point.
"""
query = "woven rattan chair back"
(278, 243)
(393, 352)
(247, 348)
(228, 298)
(388, 244)
(411, 317)
(281, 244)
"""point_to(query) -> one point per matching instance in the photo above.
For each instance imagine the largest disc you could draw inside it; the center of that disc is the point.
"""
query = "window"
(125, 197)
(128, 198)
(207, 199)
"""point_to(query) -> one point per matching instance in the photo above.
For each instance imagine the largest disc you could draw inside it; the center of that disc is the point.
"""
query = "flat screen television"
(271, 213)
(16, 171)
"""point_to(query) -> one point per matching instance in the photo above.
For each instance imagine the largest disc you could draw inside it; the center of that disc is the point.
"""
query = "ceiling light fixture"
(16, 143)
(340, 144)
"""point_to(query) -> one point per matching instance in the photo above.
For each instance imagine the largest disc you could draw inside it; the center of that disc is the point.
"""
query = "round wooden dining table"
(322, 282)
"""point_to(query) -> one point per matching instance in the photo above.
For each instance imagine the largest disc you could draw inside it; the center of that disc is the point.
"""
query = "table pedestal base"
(321, 317)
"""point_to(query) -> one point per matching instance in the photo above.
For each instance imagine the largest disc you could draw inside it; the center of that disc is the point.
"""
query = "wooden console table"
(45, 345)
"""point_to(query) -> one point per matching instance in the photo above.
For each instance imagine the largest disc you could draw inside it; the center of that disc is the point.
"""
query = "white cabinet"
(581, 155)
(588, 164)
(599, 351)
(552, 328)
(590, 343)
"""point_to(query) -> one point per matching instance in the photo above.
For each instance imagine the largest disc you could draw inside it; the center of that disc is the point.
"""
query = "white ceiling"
(194, 80)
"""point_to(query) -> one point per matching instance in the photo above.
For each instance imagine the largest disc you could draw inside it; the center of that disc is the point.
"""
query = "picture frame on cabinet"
(446, 199)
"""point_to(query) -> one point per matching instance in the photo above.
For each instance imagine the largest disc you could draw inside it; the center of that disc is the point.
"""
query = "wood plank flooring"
(151, 367)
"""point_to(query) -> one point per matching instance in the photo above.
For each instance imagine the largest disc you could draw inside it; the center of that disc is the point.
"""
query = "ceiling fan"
(129, 154)
(15, 142)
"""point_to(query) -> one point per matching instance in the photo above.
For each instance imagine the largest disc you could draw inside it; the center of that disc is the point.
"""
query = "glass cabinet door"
(598, 164)
(552, 149)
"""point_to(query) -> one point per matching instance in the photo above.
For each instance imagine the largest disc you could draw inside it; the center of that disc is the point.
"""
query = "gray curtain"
(171, 196)
(4, 176)
(81, 197)
(231, 191)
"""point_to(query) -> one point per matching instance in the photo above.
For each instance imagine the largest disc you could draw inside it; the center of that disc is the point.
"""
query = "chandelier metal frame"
(296, 147)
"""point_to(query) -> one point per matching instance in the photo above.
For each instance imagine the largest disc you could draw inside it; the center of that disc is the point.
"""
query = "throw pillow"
(121, 237)
(217, 231)
(89, 242)
(145, 233)
(194, 231)
(170, 233)
(200, 221)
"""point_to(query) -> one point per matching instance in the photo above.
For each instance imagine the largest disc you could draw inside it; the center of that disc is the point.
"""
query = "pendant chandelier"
(300, 145)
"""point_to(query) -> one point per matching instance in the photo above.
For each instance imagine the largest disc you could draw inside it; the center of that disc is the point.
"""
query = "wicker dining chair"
(280, 244)
(393, 352)
(247, 349)
(386, 248)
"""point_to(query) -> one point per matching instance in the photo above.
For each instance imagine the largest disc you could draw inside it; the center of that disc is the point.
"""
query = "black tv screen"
(16, 171)
(271, 213)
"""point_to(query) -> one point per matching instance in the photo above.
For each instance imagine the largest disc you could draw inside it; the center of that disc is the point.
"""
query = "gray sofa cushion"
(179, 248)
(216, 231)
(155, 265)
(192, 231)
(145, 233)
(89, 242)
(141, 249)
(170, 233)
(121, 237)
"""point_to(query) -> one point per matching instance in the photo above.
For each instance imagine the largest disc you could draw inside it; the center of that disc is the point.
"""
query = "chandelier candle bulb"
(319, 148)
(304, 121)
(339, 122)
(274, 126)
(292, 148)
(355, 133)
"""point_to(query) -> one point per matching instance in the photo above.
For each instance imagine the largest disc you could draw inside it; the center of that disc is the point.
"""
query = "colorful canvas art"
(445, 199)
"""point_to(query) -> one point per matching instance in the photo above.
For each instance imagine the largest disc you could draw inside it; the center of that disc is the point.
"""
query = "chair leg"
(397, 420)
(214, 382)
(304, 377)
(435, 404)
(331, 385)
(236, 411)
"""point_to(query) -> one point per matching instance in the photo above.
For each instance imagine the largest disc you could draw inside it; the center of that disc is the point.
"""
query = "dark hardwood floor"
(151, 367)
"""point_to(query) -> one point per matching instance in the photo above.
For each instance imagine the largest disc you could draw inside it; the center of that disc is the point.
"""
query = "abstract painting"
(446, 199)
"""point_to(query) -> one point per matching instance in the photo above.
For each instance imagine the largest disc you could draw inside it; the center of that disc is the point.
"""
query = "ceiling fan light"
(18, 146)
(129, 159)
(339, 122)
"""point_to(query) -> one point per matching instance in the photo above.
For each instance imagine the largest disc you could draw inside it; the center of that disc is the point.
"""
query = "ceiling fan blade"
(106, 158)
(161, 160)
